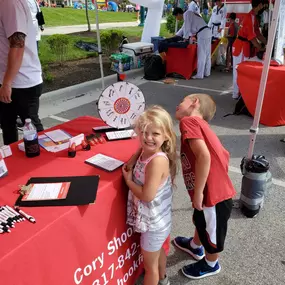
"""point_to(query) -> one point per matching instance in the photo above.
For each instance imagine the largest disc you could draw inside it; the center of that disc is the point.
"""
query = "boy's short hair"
(207, 105)
(233, 16)
(176, 11)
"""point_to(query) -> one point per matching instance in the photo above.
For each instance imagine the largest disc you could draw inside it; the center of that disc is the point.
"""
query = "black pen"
(25, 215)
(19, 217)
(9, 214)
(5, 223)
(6, 217)
(5, 230)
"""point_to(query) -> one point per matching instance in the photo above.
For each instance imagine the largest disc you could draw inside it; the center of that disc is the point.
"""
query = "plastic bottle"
(31, 142)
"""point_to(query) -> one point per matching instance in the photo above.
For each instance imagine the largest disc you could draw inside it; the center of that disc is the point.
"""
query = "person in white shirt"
(194, 25)
(20, 69)
(194, 7)
(218, 20)
(34, 8)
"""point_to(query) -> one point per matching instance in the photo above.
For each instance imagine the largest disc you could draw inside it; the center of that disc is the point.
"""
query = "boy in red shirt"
(205, 169)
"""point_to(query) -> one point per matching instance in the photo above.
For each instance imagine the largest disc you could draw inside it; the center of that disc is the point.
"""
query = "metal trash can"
(255, 182)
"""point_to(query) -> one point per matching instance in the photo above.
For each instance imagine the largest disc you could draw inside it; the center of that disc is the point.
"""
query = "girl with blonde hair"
(149, 175)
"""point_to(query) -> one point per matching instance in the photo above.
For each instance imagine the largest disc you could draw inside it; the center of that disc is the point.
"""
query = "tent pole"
(271, 37)
(99, 44)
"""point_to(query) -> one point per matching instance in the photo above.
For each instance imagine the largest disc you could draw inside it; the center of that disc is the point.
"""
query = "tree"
(87, 15)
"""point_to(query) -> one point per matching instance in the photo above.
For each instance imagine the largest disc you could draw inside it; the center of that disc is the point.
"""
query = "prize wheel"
(120, 104)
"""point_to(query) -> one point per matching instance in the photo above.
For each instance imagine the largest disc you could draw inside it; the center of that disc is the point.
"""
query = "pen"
(5, 223)
(8, 218)
(8, 213)
(14, 212)
(28, 217)
(5, 230)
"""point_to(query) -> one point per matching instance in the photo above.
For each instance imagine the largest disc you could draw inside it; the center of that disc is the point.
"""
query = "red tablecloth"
(273, 110)
(71, 245)
(183, 61)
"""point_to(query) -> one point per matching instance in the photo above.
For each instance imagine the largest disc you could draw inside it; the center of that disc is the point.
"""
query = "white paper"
(58, 135)
(3, 168)
(44, 192)
(105, 162)
(120, 134)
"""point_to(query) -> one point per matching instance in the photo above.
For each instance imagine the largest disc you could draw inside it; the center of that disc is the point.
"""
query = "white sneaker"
(235, 96)
(195, 77)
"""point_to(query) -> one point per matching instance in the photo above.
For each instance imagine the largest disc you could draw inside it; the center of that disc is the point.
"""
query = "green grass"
(46, 56)
(69, 16)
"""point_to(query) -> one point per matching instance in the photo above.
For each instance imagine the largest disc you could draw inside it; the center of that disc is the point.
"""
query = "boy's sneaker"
(164, 281)
(200, 269)
(183, 243)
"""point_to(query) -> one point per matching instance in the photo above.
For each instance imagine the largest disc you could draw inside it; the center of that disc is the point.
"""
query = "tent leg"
(264, 76)
(99, 44)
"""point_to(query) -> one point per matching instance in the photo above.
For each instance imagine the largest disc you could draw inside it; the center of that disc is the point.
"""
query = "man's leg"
(201, 58)
(28, 105)
(208, 64)
(236, 60)
(8, 121)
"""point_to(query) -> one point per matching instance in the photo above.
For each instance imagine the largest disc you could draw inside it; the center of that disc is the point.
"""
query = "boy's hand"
(198, 201)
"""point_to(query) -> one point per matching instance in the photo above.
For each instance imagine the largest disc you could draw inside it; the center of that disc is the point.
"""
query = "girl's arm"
(132, 161)
(154, 173)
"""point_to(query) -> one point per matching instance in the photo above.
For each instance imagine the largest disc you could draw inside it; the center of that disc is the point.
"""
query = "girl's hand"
(129, 166)
(198, 201)
(127, 173)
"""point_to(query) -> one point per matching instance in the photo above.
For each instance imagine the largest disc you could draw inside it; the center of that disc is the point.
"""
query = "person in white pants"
(218, 19)
(194, 25)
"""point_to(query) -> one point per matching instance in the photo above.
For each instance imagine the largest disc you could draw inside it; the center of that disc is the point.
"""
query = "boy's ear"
(196, 101)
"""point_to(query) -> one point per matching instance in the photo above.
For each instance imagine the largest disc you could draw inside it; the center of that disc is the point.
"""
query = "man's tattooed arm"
(17, 40)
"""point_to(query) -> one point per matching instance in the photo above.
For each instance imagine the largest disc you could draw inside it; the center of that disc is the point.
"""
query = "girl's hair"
(160, 118)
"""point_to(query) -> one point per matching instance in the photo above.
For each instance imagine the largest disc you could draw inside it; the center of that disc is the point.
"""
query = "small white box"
(21, 146)
(5, 151)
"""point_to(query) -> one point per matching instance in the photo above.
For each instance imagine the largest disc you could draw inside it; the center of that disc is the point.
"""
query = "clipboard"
(82, 191)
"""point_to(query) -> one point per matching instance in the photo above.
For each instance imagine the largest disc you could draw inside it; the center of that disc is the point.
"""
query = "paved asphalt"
(81, 28)
(255, 248)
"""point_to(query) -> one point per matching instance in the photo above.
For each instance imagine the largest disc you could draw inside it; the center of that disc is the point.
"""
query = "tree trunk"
(87, 16)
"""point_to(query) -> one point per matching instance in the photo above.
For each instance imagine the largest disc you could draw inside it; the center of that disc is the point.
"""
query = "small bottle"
(31, 142)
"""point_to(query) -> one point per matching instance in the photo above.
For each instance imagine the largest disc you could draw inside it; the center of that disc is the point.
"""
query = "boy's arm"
(202, 169)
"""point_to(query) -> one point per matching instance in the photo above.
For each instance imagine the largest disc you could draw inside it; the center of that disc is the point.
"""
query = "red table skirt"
(71, 245)
(273, 110)
(183, 61)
